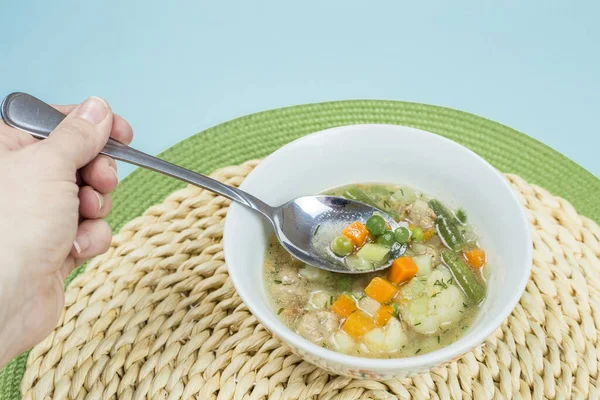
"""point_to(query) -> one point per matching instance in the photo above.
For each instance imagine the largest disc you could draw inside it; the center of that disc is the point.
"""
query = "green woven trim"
(257, 135)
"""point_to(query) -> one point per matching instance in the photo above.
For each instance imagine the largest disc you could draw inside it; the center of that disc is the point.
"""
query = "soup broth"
(426, 300)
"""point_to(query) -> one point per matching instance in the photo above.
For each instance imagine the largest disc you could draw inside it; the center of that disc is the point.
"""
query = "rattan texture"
(255, 136)
(158, 318)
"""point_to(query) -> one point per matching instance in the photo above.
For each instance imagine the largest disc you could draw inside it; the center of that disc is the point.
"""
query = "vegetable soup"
(425, 300)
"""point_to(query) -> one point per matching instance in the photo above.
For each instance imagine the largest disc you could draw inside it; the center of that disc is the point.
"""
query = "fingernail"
(93, 110)
(81, 243)
(100, 200)
(114, 172)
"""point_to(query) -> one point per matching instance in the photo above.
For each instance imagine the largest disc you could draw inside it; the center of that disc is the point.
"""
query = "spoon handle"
(29, 114)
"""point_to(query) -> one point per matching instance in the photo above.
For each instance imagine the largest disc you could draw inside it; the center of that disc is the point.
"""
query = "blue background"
(175, 68)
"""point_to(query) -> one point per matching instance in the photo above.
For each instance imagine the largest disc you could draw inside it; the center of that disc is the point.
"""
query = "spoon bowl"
(311, 222)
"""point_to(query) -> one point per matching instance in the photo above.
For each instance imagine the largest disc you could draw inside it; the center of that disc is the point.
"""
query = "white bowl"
(386, 154)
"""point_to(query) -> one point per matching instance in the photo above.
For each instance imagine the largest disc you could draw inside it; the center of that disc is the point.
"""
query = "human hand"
(53, 196)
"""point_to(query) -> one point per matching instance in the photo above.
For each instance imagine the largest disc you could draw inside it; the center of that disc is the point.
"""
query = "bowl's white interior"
(387, 154)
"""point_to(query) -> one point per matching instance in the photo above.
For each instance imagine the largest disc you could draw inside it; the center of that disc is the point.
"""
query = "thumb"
(83, 133)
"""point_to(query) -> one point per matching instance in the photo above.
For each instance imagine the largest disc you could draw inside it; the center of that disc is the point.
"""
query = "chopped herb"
(441, 284)
(317, 229)
(386, 204)
(403, 346)
(435, 294)
(402, 191)
(344, 283)
(464, 305)
(280, 311)
(450, 281)
(460, 311)
(396, 310)
(418, 351)
(330, 300)
(461, 215)
(277, 281)
(445, 331)
(417, 324)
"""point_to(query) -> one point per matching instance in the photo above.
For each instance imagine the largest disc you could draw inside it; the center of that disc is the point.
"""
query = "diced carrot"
(356, 232)
(381, 290)
(383, 315)
(357, 324)
(343, 306)
(403, 269)
(428, 234)
(475, 257)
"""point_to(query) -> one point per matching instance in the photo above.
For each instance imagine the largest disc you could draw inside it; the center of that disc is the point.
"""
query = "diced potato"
(424, 264)
(319, 300)
(418, 307)
(438, 306)
(313, 274)
(356, 263)
(391, 338)
(374, 253)
(375, 340)
(412, 289)
(342, 342)
(395, 337)
(369, 305)
(418, 248)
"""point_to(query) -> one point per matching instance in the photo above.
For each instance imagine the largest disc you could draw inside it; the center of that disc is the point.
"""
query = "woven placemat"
(157, 317)
(566, 250)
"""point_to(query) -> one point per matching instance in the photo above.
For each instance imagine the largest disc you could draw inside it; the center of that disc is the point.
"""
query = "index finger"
(121, 130)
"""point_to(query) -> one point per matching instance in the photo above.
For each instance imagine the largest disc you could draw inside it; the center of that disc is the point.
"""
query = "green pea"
(376, 225)
(402, 235)
(387, 239)
(417, 234)
(342, 246)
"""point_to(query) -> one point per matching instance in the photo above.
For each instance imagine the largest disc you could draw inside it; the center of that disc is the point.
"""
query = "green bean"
(439, 208)
(354, 193)
(447, 226)
(465, 278)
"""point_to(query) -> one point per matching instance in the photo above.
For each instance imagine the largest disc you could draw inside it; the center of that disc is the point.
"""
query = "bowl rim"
(440, 356)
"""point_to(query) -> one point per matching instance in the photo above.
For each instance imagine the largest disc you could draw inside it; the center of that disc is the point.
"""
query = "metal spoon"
(298, 224)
